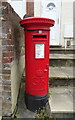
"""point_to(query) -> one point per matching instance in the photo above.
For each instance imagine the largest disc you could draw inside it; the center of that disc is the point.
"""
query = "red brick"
(30, 8)
(6, 82)
(6, 77)
(6, 93)
(8, 48)
(0, 103)
(6, 87)
(6, 60)
(12, 59)
(9, 36)
(10, 42)
(8, 54)
(7, 42)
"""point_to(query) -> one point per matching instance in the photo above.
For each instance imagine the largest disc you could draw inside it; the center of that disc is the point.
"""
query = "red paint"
(37, 69)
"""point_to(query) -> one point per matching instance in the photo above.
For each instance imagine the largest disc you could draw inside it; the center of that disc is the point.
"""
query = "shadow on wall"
(18, 64)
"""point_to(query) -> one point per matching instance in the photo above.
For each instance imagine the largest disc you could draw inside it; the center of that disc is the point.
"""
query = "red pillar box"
(37, 37)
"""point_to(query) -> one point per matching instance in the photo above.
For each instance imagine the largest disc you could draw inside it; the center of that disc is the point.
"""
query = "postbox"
(37, 38)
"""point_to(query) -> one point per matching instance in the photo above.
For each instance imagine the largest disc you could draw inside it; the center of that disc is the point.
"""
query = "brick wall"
(0, 67)
(11, 51)
(30, 8)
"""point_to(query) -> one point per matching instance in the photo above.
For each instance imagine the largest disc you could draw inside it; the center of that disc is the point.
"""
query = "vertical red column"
(37, 37)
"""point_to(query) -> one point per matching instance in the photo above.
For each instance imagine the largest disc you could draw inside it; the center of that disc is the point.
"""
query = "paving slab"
(61, 99)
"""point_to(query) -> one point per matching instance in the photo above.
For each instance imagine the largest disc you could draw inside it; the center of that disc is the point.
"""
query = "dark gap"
(39, 36)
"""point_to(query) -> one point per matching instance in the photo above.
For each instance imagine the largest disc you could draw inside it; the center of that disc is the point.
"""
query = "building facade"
(62, 12)
(59, 10)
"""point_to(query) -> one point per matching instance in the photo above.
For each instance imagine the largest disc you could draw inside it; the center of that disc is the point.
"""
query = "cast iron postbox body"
(37, 37)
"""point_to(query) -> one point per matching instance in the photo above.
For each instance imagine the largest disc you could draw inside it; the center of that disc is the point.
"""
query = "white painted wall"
(37, 8)
(19, 6)
(66, 13)
(66, 18)
(17, 69)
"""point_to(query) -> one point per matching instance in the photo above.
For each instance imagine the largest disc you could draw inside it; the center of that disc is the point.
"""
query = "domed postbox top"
(34, 22)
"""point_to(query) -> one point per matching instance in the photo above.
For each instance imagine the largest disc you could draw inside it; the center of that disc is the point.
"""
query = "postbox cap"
(37, 21)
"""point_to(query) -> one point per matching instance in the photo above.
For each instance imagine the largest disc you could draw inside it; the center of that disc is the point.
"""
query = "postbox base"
(34, 103)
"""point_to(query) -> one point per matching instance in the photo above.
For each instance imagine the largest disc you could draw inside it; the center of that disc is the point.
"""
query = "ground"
(61, 99)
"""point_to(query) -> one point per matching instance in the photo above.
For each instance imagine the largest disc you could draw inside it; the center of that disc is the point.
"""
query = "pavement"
(22, 111)
(61, 101)
(61, 97)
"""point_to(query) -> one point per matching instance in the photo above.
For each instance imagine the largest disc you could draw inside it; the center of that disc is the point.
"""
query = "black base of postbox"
(34, 103)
